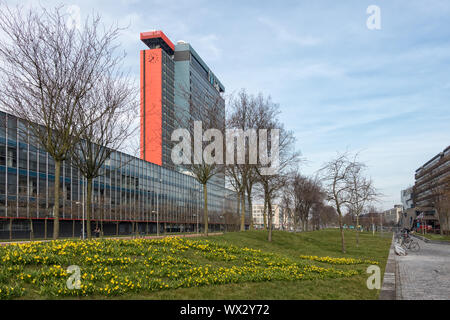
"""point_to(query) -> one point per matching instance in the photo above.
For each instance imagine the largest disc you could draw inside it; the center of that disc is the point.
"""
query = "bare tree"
(272, 184)
(210, 109)
(307, 193)
(245, 113)
(47, 70)
(328, 215)
(361, 192)
(116, 100)
(335, 174)
(236, 178)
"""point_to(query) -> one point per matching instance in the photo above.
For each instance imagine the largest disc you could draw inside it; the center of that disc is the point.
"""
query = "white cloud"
(285, 35)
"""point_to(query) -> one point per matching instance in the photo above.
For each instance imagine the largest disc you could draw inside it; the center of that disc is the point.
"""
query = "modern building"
(176, 86)
(147, 192)
(428, 178)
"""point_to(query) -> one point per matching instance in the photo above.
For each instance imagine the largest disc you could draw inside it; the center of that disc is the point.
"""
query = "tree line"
(66, 84)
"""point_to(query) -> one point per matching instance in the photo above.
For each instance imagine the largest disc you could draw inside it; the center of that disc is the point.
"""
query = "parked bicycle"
(410, 244)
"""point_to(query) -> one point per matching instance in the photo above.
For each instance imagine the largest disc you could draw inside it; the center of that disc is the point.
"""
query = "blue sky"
(384, 93)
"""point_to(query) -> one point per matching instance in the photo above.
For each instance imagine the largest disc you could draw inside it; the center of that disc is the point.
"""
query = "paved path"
(424, 275)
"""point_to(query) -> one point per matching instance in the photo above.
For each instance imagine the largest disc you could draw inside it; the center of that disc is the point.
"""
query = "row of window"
(129, 188)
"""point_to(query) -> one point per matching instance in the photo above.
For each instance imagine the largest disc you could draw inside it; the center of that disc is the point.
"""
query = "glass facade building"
(130, 191)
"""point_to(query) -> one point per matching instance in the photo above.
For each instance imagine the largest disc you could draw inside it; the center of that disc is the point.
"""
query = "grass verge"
(238, 265)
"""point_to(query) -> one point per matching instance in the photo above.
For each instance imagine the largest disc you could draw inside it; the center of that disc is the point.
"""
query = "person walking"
(97, 232)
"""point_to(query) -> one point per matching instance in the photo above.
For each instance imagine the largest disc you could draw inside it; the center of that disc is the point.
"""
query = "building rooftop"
(158, 39)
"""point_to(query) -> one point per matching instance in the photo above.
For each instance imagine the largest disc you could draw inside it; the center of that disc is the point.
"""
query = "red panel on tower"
(151, 106)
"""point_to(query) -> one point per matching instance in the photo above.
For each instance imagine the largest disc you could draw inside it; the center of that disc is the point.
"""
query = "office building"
(146, 192)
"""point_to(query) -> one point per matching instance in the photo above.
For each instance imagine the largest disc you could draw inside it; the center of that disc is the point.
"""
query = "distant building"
(393, 215)
(279, 220)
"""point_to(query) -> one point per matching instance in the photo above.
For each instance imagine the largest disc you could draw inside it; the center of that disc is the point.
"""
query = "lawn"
(433, 236)
(236, 265)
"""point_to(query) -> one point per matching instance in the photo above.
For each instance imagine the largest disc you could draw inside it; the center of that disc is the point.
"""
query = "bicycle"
(410, 244)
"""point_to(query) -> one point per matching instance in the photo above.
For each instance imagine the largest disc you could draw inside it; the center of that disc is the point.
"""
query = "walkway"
(424, 275)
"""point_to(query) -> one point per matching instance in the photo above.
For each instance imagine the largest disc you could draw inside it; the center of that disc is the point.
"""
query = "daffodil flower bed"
(346, 261)
(112, 267)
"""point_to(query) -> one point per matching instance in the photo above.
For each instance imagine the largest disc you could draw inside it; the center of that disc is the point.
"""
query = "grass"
(218, 267)
(433, 236)
(319, 243)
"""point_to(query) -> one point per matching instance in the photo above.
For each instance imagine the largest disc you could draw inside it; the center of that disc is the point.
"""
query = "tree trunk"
(238, 210)
(243, 211)
(31, 230)
(295, 219)
(10, 229)
(73, 228)
(101, 220)
(249, 200)
(45, 228)
(88, 207)
(264, 212)
(56, 203)
(357, 230)
(269, 214)
(373, 228)
(205, 208)
(341, 228)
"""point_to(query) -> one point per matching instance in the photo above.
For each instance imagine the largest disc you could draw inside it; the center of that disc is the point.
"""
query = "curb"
(388, 289)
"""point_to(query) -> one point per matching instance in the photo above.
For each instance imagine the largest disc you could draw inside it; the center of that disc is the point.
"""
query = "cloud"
(206, 46)
(284, 35)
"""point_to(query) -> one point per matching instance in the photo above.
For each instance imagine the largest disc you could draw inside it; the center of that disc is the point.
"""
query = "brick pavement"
(424, 275)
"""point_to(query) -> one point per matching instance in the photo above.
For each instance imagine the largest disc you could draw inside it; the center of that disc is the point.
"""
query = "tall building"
(429, 177)
(176, 86)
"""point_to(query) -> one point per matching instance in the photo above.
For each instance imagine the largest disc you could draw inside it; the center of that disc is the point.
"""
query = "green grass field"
(318, 243)
(236, 265)
(433, 236)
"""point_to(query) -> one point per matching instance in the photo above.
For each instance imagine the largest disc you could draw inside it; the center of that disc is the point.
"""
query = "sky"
(384, 93)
